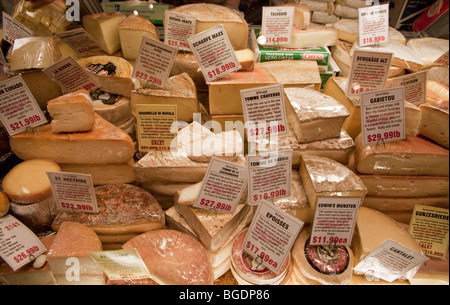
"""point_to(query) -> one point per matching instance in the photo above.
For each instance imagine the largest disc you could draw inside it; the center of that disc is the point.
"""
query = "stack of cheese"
(331, 11)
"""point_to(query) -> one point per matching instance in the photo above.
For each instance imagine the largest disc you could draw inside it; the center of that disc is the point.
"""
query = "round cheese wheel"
(28, 182)
(4, 204)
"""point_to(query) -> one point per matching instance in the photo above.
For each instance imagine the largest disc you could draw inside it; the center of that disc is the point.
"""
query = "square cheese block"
(103, 144)
(38, 52)
(295, 73)
(104, 28)
(414, 156)
(324, 177)
(403, 204)
(313, 116)
(132, 29)
(302, 15)
(434, 124)
(72, 112)
(180, 90)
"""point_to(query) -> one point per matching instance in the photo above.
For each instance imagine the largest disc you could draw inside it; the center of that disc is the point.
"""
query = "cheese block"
(414, 156)
(439, 74)
(27, 182)
(302, 15)
(37, 216)
(163, 189)
(323, 17)
(123, 209)
(313, 116)
(294, 73)
(316, 35)
(114, 108)
(41, 86)
(403, 204)
(209, 15)
(225, 93)
(38, 52)
(372, 229)
(344, 11)
(104, 28)
(132, 29)
(434, 123)
(246, 58)
(323, 177)
(4, 204)
(429, 49)
(103, 144)
(231, 122)
(72, 112)
(69, 257)
(186, 62)
(321, 6)
(436, 91)
(173, 257)
(180, 90)
(112, 73)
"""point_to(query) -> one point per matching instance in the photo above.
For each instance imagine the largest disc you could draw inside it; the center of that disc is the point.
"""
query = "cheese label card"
(73, 192)
(71, 76)
(18, 244)
(369, 71)
(269, 177)
(154, 62)
(276, 26)
(155, 125)
(389, 261)
(222, 187)
(383, 115)
(177, 28)
(18, 108)
(443, 59)
(271, 235)
(429, 226)
(13, 29)
(264, 105)
(123, 264)
(214, 53)
(81, 42)
(373, 24)
(415, 86)
(334, 221)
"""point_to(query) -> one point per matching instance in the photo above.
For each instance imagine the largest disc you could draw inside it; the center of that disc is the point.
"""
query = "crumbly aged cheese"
(36, 52)
(4, 204)
(132, 29)
(316, 35)
(295, 73)
(323, 177)
(436, 91)
(103, 144)
(114, 110)
(313, 116)
(37, 216)
(403, 204)
(434, 124)
(302, 15)
(104, 28)
(323, 17)
(41, 86)
(27, 182)
(180, 90)
(429, 49)
(414, 156)
(210, 15)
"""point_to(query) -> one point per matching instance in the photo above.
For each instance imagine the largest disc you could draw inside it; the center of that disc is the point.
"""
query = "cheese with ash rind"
(36, 52)
(295, 73)
(104, 28)
(434, 123)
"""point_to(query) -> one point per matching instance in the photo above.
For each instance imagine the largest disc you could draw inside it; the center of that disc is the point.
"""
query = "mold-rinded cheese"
(403, 204)
(75, 241)
(316, 35)
(104, 28)
(27, 182)
(434, 124)
(4, 204)
(302, 15)
(103, 144)
(436, 91)
(209, 15)
(173, 257)
(123, 209)
(414, 156)
(41, 86)
(323, 177)
(225, 93)
(372, 229)
(321, 6)
(323, 18)
(115, 110)
(295, 73)
(313, 116)
(72, 112)
(344, 11)
(132, 29)
(37, 216)
(429, 49)
(180, 90)
(36, 52)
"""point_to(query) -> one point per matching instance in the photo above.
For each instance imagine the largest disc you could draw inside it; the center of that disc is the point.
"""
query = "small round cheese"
(4, 204)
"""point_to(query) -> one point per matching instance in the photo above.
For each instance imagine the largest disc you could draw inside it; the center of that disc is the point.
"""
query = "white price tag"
(373, 24)
(18, 244)
(178, 28)
(415, 86)
(13, 29)
(276, 25)
(80, 41)
(383, 115)
(214, 53)
(18, 108)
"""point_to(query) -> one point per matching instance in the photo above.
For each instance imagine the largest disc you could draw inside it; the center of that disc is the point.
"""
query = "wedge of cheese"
(403, 204)
(228, 145)
(185, 62)
(302, 15)
(103, 144)
(434, 124)
(295, 73)
(429, 49)
(436, 91)
(38, 52)
(246, 58)
(316, 35)
(414, 156)
(115, 109)
(104, 28)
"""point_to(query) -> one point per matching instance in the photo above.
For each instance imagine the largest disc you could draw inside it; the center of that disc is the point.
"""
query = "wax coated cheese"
(132, 29)
(434, 124)
(295, 73)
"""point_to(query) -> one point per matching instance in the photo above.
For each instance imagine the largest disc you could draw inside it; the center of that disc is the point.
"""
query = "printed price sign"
(73, 192)
(383, 115)
(222, 186)
(18, 244)
(334, 221)
(271, 235)
(80, 41)
(276, 25)
(18, 108)
(269, 177)
(214, 53)
(373, 24)
(415, 86)
(177, 28)
(154, 62)
(13, 29)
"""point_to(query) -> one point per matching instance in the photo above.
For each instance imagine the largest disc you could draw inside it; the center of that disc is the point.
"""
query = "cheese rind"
(434, 122)
(403, 204)
(104, 28)
(132, 30)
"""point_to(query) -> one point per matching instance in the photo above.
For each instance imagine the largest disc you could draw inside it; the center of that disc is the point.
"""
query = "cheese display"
(434, 123)
(33, 53)
(295, 73)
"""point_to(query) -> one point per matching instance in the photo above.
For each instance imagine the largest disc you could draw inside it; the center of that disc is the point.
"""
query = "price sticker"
(80, 41)
(222, 187)
(214, 53)
(73, 192)
(415, 86)
(18, 108)
(271, 235)
(383, 115)
(154, 62)
(13, 29)
(276, 25)
(18, 244)
(334, 221)
(178, 28)
(373, 24)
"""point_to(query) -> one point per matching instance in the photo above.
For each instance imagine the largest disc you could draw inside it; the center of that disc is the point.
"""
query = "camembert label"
(373, 24)
(13, 29)
(177, 28)
(276, 25)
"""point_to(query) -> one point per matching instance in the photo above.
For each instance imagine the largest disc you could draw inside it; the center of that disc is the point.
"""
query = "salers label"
(276, 25)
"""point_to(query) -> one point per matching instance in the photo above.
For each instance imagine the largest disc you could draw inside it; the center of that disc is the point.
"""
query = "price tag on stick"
(276, 25)
(373, 24)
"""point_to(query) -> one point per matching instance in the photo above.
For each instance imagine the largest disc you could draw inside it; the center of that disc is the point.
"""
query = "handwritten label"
(81, 42)
(276, 25)
(13, 29)
(415, 86)
(178, 28)
(373, 24)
